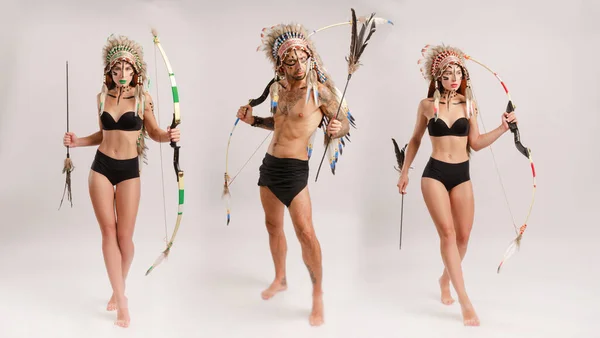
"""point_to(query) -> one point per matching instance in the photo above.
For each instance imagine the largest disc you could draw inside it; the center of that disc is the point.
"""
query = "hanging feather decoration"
(68, 163)
(400, 156)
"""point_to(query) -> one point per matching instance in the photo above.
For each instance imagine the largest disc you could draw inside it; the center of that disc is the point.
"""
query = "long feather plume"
(358, 41)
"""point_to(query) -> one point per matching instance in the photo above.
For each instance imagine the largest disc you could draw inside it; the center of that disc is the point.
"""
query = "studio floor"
(55, 285)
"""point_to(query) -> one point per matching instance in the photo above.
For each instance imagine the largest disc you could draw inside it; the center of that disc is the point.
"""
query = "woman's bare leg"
(437, 200)
(463, 209)
(127, 202)
(102, 197)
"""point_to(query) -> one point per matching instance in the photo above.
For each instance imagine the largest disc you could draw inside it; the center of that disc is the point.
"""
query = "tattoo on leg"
(312, 274)
(284, 281)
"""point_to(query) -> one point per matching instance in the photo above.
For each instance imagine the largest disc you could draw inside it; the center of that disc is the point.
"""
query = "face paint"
(122, 73)
(296, 67)
(452, 77)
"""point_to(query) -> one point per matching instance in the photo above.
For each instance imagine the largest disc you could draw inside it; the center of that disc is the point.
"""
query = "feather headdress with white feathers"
(277, 42)
(433, 63)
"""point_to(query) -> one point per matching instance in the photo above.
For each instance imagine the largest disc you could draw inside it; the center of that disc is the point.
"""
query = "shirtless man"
(284, 172)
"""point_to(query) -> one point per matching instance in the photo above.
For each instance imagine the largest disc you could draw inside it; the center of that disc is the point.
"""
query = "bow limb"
(515, 245)
(525, 151)
(361, 19)
(228, 180)
(178, 172)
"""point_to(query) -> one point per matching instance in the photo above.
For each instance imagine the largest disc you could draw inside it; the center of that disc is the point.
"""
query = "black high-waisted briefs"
(116, 170)
(450, 174)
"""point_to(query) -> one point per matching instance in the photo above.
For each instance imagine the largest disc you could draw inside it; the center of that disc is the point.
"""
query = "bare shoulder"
(425, 104)
(98, 97)
(426, 107)
(324, 92)
(148, 97)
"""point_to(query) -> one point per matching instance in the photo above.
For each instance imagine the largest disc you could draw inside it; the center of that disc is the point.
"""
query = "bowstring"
(162, 171)
(239, 171)
(495, 163)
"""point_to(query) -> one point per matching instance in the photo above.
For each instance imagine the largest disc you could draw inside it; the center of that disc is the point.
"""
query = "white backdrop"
(544, 52)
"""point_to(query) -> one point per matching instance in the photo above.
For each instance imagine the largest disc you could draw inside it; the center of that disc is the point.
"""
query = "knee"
(109, 233)
(306, 235)
(125, 238)
(274, 228)
(447, 233)
(462, 239)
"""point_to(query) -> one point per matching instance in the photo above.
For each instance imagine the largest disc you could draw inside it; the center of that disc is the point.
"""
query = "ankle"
(465, 302)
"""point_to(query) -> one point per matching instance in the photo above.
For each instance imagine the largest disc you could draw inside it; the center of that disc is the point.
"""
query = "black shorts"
(116, 171)
(450, 174)
(285, 177)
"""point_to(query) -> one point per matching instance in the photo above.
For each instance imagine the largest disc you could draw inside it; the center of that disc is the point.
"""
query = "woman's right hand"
(70, 140)
(245, 114)
(402, 183)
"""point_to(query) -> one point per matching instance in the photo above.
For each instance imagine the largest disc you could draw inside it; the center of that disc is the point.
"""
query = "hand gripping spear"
(68, 165)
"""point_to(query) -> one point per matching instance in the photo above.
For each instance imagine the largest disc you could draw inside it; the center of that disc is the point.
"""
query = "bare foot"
(122, 314)
(469, 316)
(446, 296)
(112, 304)
(274, 288)
(316, 316)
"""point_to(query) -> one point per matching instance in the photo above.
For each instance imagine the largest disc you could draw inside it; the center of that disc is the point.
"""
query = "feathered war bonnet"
(277, 42)
(119, 49)
(435, 60)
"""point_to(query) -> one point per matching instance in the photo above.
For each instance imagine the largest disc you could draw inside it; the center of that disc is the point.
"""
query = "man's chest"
(293, 105)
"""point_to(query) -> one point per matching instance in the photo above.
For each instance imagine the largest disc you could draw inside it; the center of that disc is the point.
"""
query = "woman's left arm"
(154, 131)
(479, 141)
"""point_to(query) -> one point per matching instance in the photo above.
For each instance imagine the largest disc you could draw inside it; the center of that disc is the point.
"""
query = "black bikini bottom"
(450, 174)
(116, 170)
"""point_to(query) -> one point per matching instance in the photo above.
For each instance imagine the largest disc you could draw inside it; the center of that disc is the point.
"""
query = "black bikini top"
(460, 127)
(127, 122)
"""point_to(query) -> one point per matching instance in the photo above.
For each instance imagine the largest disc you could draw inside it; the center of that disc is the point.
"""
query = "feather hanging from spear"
(68, 163)
(400, 156)
(358, 43)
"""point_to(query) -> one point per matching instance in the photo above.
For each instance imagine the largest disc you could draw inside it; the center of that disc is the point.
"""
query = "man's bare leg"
(301, 214)
(274, 221)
